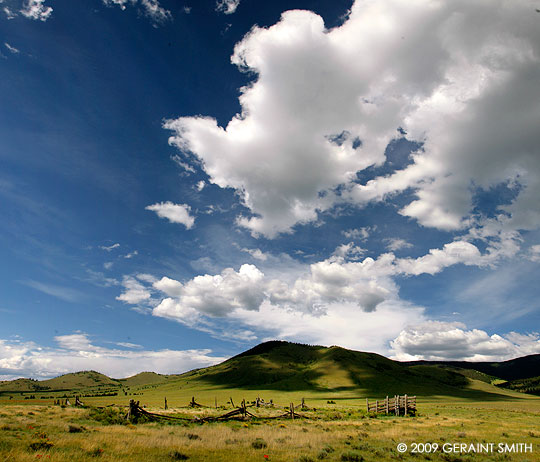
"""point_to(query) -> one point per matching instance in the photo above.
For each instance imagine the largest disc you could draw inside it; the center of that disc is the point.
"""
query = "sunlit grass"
(333, 433)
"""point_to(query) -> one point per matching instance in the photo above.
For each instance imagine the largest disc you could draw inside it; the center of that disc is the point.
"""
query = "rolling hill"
(285, 366)
(292, 367)
(530, 385)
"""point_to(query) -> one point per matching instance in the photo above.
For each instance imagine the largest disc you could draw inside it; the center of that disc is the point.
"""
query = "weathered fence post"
(367, 405)
(166, 407)
(292, 410)
(405, 404)
(232, 403)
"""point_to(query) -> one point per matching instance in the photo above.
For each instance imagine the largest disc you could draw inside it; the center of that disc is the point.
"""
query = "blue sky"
(181, 181)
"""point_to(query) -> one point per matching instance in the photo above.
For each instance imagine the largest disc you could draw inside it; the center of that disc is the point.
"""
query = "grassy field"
(334, 432)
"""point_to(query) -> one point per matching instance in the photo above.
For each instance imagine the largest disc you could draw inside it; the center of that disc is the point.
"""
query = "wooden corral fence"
(67, 402)
(398, 405)
(135, 411)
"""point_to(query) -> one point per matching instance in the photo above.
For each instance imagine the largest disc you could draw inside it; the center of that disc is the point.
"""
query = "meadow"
(333, 432)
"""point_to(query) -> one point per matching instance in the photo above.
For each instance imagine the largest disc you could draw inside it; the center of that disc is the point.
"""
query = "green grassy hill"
(144, 378)
(293, 367)
(84, 379)
(20, 385)
(72, 381)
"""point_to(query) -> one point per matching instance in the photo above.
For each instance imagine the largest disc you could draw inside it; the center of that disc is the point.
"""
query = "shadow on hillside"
(283, 366)
(252, 375)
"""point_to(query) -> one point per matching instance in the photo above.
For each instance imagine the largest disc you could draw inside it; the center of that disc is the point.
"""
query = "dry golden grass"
(335, 433)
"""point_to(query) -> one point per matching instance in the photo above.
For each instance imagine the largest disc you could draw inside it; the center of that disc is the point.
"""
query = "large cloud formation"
(436, 340)
(458, 77)
(341, 299)
(76, 352)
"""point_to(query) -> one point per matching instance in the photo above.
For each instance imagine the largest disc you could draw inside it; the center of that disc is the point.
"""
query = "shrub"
(305, 459)
(76, 429)
(42, 445)
(324, 454)
(351, 456)
(193, 436)
(107, 416)
(259, 443)
(177, 455)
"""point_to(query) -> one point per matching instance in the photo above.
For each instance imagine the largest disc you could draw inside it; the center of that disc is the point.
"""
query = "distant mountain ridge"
(512, 369)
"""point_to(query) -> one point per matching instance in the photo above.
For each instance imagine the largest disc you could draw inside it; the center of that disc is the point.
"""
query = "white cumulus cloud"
(134, 291)
(435, 340)
(76, 352)
(456, 76)
(175, 213)
(36, 9)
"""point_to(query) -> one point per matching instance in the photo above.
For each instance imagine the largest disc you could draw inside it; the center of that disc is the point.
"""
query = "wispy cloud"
(99, 279)
(129, 345)
(110, 247)
(184, 165)
(258, 254)
(534, 253)
(151, 8)
(12, 49)
(395, 243)
(63, 293)
(10, 14)
(360, 233)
